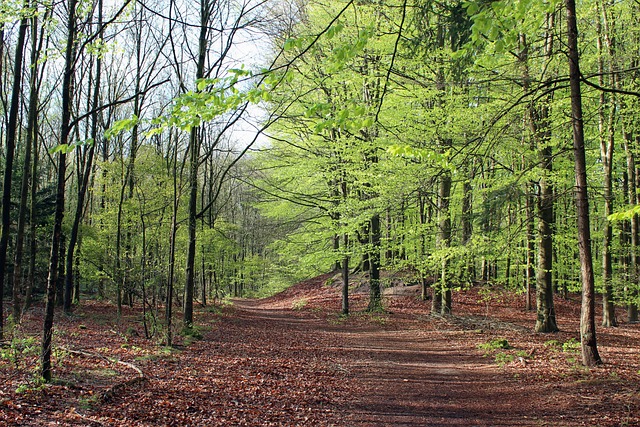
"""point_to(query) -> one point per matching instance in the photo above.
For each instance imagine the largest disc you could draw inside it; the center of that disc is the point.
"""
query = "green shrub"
(496, 344)
(571, 346)
(299, 304)
(503, 358)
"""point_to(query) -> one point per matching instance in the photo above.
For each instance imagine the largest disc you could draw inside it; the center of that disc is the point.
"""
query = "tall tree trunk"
(467, 223)
(606, 132)
(33, 247)
(546, 315)
(634, 229)
(345, 276)
(530, 275)
(375, 293)
(61, 267)
(194, 161)
(424, 294)
(10, 140)
(345, 258)
(83, 183)
(590, 356)
(67, 91)
(539, 123)
(31, 138)
(172, 248)
(444, 239)
(529, 285)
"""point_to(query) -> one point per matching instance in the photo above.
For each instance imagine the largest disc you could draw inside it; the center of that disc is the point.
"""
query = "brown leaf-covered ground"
(291, 360)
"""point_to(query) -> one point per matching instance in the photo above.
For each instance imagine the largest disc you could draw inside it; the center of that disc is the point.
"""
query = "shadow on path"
(412, 377)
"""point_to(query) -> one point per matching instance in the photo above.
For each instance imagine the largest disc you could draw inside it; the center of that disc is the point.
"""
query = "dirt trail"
(405, 375)
(290, 360)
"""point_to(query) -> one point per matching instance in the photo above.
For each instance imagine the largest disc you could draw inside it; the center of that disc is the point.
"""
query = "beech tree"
(423, 137)
(590, 356)
(10, 139)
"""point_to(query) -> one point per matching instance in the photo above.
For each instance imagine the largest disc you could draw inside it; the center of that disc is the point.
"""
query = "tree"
(67, 92)
(590, 356)
(10, 140)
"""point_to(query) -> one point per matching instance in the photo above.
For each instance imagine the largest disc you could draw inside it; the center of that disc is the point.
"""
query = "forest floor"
(291, 360)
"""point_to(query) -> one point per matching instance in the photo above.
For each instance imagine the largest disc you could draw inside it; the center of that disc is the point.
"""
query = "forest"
(167, 157)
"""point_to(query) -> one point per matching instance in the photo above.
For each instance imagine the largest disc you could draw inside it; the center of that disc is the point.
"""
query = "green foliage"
(625, 215)
(68, 148)
(13, 10)
(299, 304)
(496, 344)
(120, 126)
(571, 346)
(213, 98)
(22, 350)
(552, 344)
(502, 21)
(502, 358)
(22, 354)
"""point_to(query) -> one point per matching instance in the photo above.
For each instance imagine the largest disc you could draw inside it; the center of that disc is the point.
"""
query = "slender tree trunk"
(634, 229)
(467, 223)
(194, 161)
(530, 197)
(172, 249)
(61, 269)
(83, 184)
(345, 277)
(590, 356)
(345, 258)
(67, 91)
(424, 294)
(546, 315)
(606, 132)
(10, 140)
(531, 248)
(31, 138)
(375, 294)
(444, 239)
(194, 145)
(539, 123)
(120, 275)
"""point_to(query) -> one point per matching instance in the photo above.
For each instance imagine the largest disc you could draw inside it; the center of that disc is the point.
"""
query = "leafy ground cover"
(291, 360)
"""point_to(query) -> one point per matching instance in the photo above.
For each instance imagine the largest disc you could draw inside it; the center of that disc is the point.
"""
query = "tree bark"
(375, 294)
(531, 248)
(424, 292)
(345, 277)
(194, 160)
(24, 186)
(467, 223)
(33, 137)
(607, 138)
(546, 315)
(172, 249)
(83, 184)
(444, 239)
(10, 141)
(590, 356)
(67, 91)
(634, 256)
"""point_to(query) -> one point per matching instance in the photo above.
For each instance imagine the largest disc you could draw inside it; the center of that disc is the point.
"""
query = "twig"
(112, 391)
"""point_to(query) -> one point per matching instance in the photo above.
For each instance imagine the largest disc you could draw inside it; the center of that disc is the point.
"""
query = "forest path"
(291, 360)
(402, 373)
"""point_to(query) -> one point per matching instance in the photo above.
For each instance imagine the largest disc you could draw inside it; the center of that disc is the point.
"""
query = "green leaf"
(121, 126)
